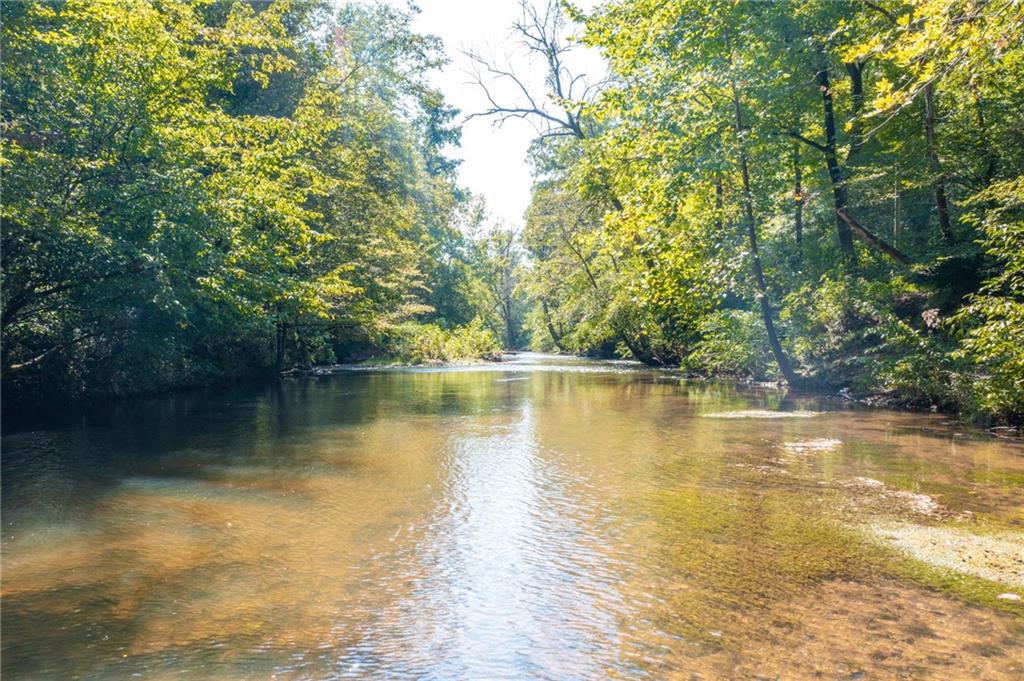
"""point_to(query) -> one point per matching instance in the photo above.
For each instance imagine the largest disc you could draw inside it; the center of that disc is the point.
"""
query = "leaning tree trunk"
(846, 225)
(869, 238)
(556, 337)
(760, 285)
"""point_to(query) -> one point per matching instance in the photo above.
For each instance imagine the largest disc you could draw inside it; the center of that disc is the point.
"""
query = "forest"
(824, 193)
(201, 191)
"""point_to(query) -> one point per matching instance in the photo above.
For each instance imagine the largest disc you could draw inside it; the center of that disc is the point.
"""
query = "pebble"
(1008, 597)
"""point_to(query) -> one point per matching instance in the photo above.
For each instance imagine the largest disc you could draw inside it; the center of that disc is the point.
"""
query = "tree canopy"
(200, 190)
(822, 191)
(826, 192)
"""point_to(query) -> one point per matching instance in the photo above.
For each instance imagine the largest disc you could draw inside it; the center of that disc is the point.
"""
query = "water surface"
(543, 518)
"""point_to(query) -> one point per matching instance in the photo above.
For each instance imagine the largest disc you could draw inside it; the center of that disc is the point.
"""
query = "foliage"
(194, 191)
(498, 265)
(421, 343)
(993, 319)
(826, 190)
(732, 344)
(844, 174)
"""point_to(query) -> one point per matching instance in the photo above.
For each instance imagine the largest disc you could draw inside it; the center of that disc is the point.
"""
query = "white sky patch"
(494, 163)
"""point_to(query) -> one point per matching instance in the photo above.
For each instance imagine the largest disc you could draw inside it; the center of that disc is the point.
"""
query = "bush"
(733, 343)
(992, 323)
(417, 343)
(870, 336)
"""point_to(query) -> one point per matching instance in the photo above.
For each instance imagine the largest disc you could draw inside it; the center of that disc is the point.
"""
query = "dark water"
(540, 519)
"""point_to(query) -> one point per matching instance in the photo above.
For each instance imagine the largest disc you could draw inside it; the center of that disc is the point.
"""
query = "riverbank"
(891, 399)
(14, 413)
(372, 363)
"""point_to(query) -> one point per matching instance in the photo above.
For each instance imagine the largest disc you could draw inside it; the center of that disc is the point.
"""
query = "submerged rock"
(917, 503)
(869, 483)
(760, 414)
(871, 493)
(809, 446)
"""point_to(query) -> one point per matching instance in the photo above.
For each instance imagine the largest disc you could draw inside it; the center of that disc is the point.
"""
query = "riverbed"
(544, 517)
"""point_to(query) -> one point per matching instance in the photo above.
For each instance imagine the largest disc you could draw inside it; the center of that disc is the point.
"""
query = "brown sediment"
(876, 629)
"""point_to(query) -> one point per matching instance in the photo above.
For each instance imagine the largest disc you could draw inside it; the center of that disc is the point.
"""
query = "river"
(541, 518)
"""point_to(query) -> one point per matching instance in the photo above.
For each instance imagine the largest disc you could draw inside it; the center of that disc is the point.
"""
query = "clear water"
(543, 518)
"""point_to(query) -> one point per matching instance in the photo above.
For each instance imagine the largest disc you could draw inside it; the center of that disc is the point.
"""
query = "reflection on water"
(540, 518)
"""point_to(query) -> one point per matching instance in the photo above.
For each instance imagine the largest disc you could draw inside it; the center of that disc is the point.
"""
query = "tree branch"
(881, 10)
(538, 30)
(46, 353)
(864, 235)
(797, 136)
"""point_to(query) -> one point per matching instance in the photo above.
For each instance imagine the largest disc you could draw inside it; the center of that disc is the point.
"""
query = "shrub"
(733, 342)
(853, 332)
(992, 323)
(417, 343)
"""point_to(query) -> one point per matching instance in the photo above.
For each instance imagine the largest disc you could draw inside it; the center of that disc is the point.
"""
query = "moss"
(729, 551)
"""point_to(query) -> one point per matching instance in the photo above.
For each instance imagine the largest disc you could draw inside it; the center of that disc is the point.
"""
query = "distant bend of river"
(547, 518)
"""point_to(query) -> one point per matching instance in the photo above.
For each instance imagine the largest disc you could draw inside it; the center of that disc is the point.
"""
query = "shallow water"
(544, 518)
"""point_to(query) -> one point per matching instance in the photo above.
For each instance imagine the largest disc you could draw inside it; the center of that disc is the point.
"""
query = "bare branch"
(46, 353)
(539, 30)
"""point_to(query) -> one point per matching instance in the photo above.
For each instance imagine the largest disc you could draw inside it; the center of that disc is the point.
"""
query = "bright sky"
(494, 161)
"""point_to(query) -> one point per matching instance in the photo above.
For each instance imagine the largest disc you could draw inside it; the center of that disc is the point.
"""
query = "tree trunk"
(798, 196)
(633, 345)
(719, 199)
(835, 171)
(939, 179)
(990, 155)
(847, 226)
(556, 337)
(856, 72)
(639, 349)
(872, 240)
(761, 286)
(280, 340)
(509, 331)
(896, 208)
